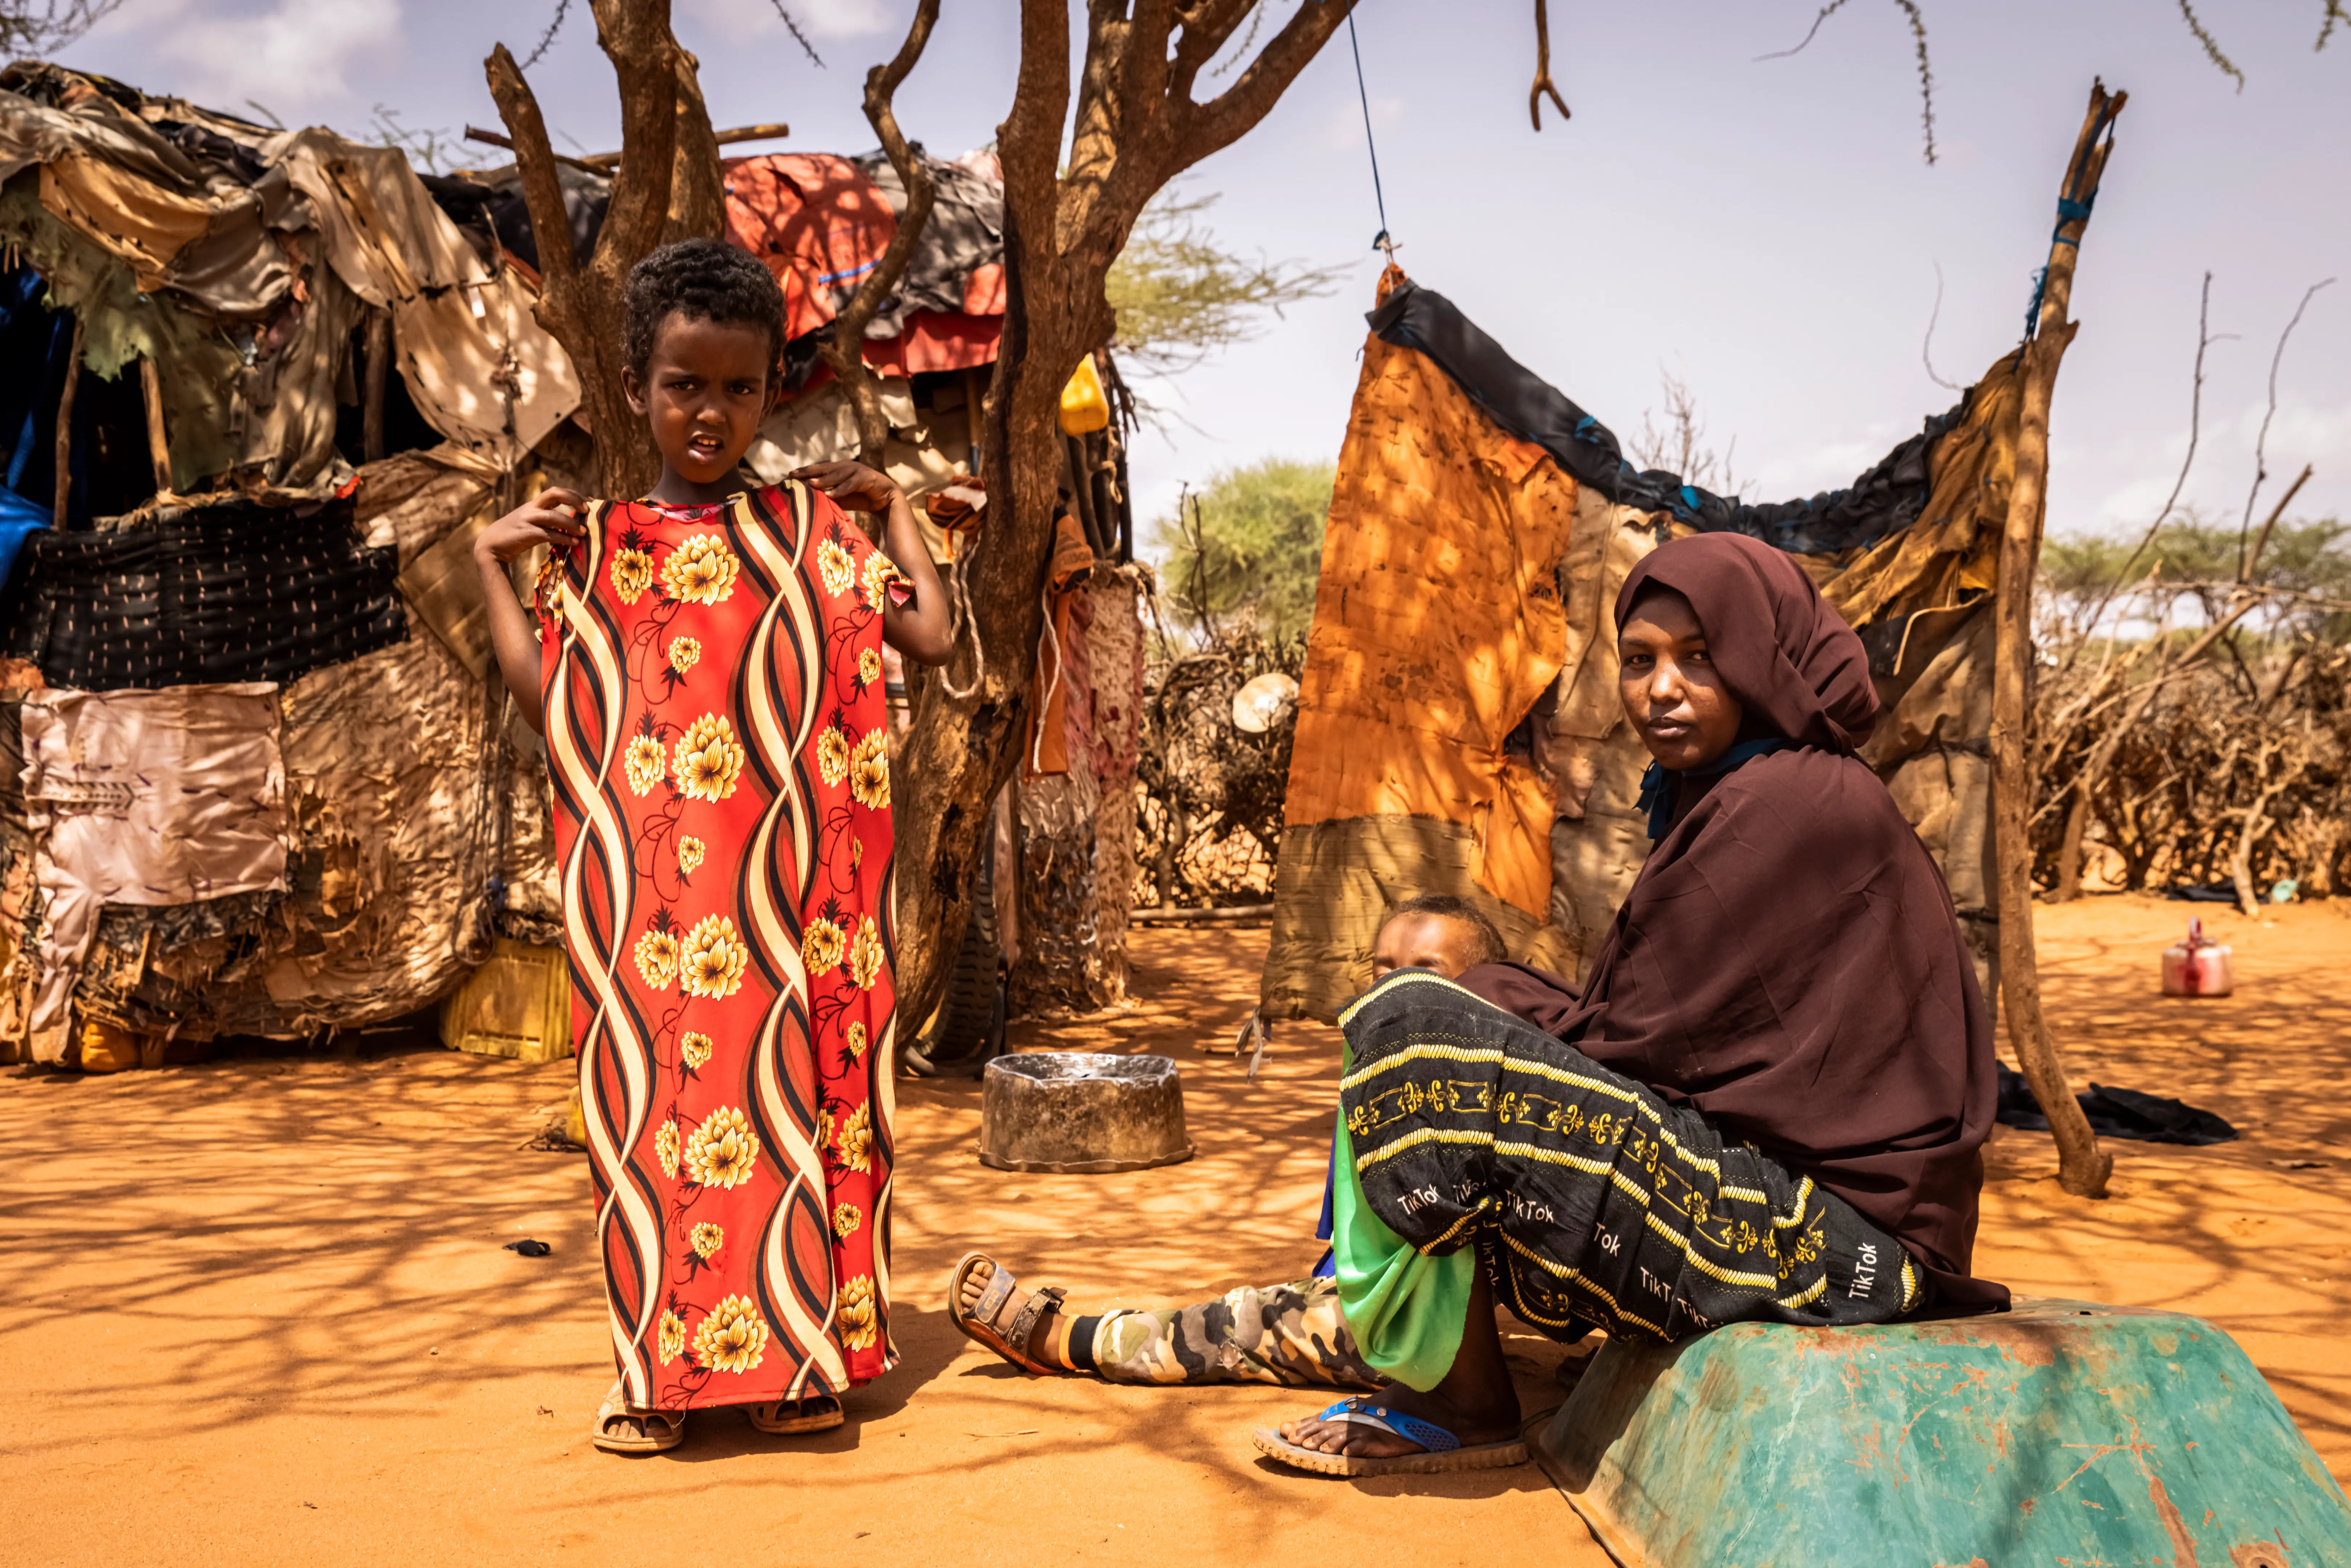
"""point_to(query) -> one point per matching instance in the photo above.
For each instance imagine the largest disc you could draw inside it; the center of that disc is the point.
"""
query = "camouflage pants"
(1289, 1334)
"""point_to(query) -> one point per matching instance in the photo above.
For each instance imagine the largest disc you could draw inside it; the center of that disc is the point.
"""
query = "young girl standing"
(708, 669)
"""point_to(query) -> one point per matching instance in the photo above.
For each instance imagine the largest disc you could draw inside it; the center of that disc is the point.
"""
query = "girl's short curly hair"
(706, 280)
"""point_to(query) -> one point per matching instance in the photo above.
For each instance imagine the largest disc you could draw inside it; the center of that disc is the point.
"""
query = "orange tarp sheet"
(1437, 623)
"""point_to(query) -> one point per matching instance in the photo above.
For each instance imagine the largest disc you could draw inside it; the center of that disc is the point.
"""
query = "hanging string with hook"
(1380, 242)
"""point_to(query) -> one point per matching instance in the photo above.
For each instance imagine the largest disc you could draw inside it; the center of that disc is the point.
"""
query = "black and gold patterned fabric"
(1592, 1201)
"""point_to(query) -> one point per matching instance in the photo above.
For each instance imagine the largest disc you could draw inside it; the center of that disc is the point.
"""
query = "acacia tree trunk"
(1136, 128)
(2082, 1166)
(667, 187)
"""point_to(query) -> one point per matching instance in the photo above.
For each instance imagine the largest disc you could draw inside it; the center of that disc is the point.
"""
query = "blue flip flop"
(1441, 1451)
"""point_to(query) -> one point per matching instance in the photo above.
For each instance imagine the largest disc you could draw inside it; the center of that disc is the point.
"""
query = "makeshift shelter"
(1458, 727)
(204, 317)
(254, 777)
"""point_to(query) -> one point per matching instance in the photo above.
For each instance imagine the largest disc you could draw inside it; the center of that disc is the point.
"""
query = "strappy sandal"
(817, 1412)
(980, 1325)
(1441, 1451)
(658, 1429)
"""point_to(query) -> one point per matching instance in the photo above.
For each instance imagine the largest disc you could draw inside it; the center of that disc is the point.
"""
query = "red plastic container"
(2198, 967)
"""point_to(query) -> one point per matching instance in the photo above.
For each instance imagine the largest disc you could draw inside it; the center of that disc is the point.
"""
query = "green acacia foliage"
(1248, 547)
(2306, 565)
(1180, 296)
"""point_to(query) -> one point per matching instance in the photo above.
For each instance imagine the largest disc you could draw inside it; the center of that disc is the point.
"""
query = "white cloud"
(739, 20)
(1343, 126)
(1828, 465)
(294, 56)
(2300, 433)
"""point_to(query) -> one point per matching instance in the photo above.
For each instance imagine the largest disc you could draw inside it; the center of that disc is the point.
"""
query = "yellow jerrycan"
(1084, 408)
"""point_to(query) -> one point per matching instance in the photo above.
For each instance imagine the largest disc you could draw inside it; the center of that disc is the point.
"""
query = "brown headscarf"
(1788, 963)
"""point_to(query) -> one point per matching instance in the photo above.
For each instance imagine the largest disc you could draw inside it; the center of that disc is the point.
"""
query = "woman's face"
(1672, 694)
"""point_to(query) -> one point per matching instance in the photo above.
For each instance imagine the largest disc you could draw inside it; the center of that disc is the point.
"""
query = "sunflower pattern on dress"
(722, 827)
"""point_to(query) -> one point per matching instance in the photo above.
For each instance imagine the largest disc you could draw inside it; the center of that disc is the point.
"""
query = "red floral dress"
(715, 726)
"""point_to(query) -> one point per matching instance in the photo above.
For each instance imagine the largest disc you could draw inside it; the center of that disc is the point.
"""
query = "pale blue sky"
(1767, 231)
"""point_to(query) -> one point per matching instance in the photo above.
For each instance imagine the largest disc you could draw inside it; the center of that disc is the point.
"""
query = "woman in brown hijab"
(1768, 1100)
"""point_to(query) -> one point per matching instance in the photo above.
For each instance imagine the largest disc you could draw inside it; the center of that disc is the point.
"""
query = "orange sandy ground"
(257, 1312)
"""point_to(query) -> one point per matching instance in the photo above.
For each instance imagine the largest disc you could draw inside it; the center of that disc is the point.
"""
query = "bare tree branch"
(2204, 340)
(2261, 442)
(535, 163)
(2082, 1166)
(1927, 347)
(1543, 84)
(38, 28)
(579, 302)
(635, 36)
(697, 191)
(846, 349)
(1827, 11)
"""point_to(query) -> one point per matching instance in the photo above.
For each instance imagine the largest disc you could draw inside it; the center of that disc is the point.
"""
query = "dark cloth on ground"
(1788, 964)
(1591, 1200)
(2117, 1114)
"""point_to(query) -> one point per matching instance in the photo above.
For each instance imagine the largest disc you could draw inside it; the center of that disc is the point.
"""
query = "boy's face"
(1423, 942)
(704, 391)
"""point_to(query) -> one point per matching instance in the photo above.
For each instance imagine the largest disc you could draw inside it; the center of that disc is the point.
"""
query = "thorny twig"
(51, 26)
(547, 39)
(2211, 45)
(798, 37)
(1917, 20)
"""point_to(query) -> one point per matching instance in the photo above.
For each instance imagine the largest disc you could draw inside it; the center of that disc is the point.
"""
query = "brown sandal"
(817, 1412)
(980, 1325)
(659, 1429)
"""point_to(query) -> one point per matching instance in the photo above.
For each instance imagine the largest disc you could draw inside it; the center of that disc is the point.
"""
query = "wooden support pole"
(65, 429)
(1226, 915)
(2082, 1166)
(1077, 471)
(159, 444)
(377, 366)
(974, 394)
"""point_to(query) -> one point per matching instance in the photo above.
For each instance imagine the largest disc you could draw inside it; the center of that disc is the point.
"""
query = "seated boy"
(1290, 1333)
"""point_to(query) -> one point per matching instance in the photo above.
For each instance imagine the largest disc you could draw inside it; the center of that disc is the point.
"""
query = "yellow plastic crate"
(516, 1005)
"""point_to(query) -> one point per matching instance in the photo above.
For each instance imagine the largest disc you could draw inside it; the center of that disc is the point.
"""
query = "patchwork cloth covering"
(715, 726)
(168, 798)
(1458, 727)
